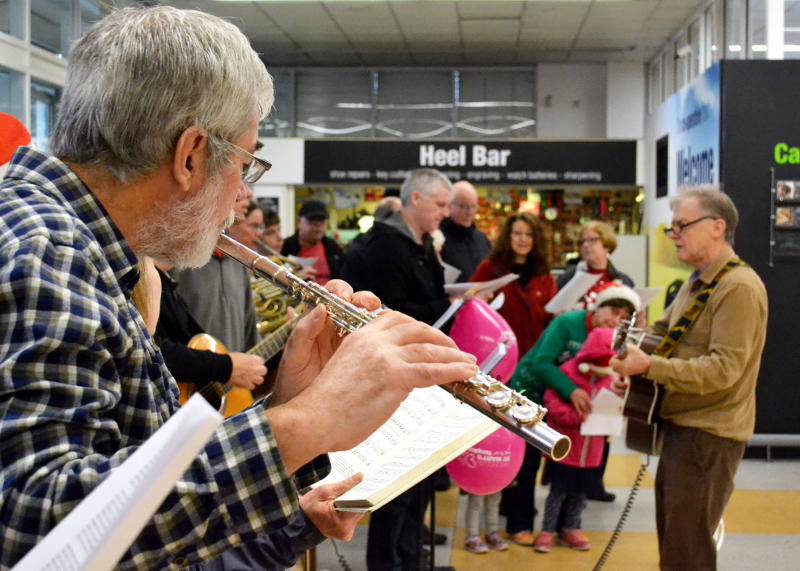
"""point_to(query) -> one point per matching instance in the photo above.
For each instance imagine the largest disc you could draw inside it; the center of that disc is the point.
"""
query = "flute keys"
(527, 414)
(498, 398)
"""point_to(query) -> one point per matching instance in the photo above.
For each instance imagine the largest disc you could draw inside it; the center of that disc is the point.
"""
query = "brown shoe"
(522, 538)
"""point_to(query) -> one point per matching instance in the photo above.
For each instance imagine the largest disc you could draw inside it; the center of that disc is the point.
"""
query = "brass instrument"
(487, 395)
(270, 301)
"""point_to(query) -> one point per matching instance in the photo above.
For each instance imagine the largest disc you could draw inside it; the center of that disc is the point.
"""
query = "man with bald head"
(465, 246)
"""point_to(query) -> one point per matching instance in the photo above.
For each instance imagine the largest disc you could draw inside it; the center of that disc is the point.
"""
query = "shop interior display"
(563, 210)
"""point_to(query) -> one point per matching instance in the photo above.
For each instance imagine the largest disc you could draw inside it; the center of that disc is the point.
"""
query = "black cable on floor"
(637, 482)
(340, 557)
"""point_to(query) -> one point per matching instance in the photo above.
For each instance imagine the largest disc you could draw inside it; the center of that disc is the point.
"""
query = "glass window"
(668, 73)
(694, 49)
(415, 104)
(334, 103)
(735, 26)
(91, 13)
(791, 23)
(710, 51)
(654, 84)
(756, 29)
(12, 18)
(44, 106)
(280, 122)
(12, 93)
(496, 104)
(51, 25)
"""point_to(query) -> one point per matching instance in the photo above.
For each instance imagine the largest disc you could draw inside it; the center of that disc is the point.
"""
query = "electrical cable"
(340, 557)
(637, 482)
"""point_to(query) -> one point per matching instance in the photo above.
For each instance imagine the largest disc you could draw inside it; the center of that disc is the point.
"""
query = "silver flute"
(487, 395)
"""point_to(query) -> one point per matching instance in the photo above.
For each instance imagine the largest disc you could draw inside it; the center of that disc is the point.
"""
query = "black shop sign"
(506, 163)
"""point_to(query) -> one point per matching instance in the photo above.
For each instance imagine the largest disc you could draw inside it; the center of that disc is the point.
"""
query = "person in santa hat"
(570, 479)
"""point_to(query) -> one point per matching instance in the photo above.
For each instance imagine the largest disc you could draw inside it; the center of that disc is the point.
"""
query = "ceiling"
(446, 33)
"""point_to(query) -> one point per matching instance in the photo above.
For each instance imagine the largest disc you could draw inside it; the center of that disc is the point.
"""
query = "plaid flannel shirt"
(82, 385)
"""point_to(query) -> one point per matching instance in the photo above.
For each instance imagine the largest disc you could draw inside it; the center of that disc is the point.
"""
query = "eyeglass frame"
(590, 240)
(262, 165)
(678, 228)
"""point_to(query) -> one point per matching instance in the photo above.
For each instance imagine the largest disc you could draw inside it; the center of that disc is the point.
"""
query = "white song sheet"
(97, 533)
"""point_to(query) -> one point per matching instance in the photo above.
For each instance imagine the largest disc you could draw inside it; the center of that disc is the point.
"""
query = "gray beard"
(185, 236)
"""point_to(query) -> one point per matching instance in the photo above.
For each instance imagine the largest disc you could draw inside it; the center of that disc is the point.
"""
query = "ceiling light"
(734, 48)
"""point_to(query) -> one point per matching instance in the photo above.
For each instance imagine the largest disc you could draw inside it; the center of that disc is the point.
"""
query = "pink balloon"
(477, 329)
(490, 465)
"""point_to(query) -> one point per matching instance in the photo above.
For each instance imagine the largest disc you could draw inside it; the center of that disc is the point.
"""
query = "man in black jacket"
(405, 273)
(465, 247)
(310, 241)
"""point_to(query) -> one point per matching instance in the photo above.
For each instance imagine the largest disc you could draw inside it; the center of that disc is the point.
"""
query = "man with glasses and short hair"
(144, 167)
(709, 379)
(465, 247)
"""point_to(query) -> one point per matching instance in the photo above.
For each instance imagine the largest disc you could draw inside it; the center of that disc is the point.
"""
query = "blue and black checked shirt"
(82, 385)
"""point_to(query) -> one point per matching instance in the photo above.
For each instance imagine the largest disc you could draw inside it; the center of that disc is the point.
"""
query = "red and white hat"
(614, 290)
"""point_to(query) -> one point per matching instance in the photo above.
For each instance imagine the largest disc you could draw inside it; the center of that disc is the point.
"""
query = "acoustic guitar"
(643, 397)
(226, 399)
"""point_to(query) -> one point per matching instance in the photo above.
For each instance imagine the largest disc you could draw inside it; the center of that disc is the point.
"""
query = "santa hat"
(12, 135)
(614, 290)
(596, 351)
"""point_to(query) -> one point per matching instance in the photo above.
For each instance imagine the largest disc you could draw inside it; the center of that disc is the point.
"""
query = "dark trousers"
(693, 484)
(517, 501)
(394, 540)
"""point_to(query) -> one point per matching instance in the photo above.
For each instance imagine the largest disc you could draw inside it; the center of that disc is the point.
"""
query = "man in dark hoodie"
(404, 271)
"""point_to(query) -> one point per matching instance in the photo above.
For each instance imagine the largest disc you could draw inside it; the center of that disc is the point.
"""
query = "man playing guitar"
(716, 328)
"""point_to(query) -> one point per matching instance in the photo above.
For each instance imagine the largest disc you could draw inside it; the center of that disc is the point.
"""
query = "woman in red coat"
(521, 249)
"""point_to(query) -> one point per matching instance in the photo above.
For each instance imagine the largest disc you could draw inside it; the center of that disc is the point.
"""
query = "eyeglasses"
(678, 227)
(461, 206)
(592, 240)
(253, 170)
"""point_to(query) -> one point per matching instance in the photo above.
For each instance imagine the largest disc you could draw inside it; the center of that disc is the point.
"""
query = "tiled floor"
(762, 525)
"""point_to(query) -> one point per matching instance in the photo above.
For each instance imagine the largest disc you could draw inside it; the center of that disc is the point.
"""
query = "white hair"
(142, 76)
(426, 181)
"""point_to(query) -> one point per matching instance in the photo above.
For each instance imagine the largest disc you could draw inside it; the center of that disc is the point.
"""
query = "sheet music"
(100, 529)
(646, 294)
(302, 262)
(606, 417)
(451, 273)
(568, 296)
(480, 287)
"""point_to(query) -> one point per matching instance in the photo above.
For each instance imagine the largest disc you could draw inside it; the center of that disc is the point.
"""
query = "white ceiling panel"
(489, 33)
(435, 32)
(484, 10)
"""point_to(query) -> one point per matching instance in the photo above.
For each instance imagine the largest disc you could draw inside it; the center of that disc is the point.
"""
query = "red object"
(523, 308)
(12, 135)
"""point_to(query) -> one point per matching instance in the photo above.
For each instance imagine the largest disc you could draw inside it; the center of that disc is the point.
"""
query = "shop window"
(334, 104)
(12, 18)
(735, 26)
(496, 104)
(791, 22)
(415, 104)
(694, 49)
(91, 13)
(44, 106)
(280, 122)
(51, 25)
(12, 93)
(756, 29)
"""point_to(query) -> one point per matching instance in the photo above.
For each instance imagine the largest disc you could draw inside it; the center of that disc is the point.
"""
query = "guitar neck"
(273, 343)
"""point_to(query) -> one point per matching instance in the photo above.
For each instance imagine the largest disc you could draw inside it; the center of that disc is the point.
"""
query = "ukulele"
(226, 399)
(643, 396)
